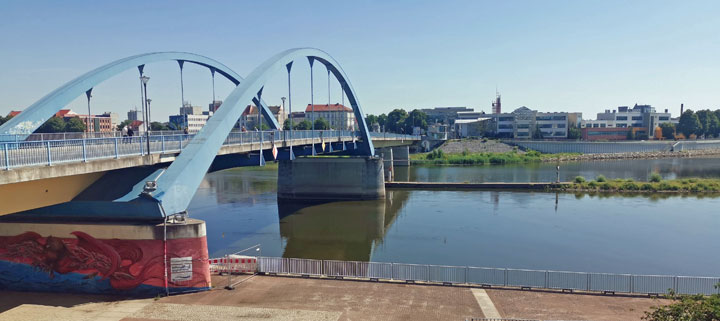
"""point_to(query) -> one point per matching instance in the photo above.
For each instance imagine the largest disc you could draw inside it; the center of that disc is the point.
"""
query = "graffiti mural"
(29, 261)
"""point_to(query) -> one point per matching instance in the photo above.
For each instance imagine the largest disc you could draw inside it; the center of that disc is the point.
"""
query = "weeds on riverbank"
(438, 157)
(656, 184)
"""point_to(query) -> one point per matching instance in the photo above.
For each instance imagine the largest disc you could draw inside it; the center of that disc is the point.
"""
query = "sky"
(580, 56)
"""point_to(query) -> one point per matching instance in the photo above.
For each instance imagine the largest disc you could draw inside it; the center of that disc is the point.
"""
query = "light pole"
(145, 80)
(88, 94)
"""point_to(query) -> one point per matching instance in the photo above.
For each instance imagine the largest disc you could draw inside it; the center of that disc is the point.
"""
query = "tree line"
(399, 121)
(56, 125)
(703, 123)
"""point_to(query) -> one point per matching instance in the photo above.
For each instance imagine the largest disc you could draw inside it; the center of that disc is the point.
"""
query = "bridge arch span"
(177, 185)
(36, 114)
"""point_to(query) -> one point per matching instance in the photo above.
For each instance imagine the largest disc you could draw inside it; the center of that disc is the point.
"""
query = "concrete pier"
(387, 157)
(104, 258)
(401, 155)
(331, 178)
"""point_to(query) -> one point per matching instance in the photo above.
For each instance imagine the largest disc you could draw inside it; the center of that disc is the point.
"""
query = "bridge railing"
(14, 154)
(484, 276)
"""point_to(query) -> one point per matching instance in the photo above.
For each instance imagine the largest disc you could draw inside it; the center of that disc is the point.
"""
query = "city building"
(134, 114)
(188, 109)
(213, 106)
(251, 117)
(14, 113)
(297, 117)
(642, 118)
(496, 105)
(477, 127)
(192, 122)
(523, 121)
(137, 126)
(114, 119)
(438, 131)
(337, 115)
(445, 115)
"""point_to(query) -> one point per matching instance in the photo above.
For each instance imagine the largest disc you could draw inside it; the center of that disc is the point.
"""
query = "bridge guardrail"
(484, 276)
(15, 154)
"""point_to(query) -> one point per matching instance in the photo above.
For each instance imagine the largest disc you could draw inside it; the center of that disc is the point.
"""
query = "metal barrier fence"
(14, 154)
(483, 276)
(555, 147)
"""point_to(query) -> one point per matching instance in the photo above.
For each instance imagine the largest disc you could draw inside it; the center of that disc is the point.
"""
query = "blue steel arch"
(36, 114)
(177, 185)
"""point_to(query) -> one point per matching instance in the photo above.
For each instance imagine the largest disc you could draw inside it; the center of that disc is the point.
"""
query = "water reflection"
(337, 230)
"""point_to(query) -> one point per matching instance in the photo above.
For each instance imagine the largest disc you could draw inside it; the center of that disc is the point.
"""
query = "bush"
(601, 179)
(655, 178)
(630, 186)
(593, 184)
(579, 179)
(605, 186)
(647, 187)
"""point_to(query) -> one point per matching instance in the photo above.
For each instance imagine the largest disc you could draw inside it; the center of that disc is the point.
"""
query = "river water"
(649, 234)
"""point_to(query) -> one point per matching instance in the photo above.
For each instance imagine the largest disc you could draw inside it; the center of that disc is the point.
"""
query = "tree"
(4, 119)
(416, 118)
(689, 124)
(395, 120)
(574, 132)
(286, 124)
(158, 126)
(687, 307)
(668, 130)
(124, 123)
(74, 125)
(708, 122)
(52, 125)
(321, 124)
(630, 134)
(382, 120)
(537, 133)
(371, 119)
(303, 125)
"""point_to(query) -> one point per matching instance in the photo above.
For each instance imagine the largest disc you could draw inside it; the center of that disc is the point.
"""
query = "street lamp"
(145, 80)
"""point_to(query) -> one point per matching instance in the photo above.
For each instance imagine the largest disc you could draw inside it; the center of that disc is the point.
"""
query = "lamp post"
(145, 80)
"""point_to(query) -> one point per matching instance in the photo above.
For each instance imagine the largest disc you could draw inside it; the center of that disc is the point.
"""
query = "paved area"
(286, 298)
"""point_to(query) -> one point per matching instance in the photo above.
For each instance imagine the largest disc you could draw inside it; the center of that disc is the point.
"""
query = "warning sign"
(180, 269)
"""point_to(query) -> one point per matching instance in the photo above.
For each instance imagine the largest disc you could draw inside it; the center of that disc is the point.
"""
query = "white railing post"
(49, 156)
(141, 146)
(162, 144)
(116, 149)
(84, 150)
(7, 157)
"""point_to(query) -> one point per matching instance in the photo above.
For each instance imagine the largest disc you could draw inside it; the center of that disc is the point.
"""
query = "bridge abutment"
(331, 178)
(104, 258)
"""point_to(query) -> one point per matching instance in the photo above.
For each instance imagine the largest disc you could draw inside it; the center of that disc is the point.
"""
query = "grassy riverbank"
(438, 157)
(656, 184)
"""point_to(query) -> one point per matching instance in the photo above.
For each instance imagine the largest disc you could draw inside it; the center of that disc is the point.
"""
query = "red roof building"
(338, 116)
(14, 113)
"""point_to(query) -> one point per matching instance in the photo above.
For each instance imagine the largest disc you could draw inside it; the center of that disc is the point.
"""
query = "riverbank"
(295, 298)
(437, 157)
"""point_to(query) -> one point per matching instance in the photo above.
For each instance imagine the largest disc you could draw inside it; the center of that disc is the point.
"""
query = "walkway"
(294, 298)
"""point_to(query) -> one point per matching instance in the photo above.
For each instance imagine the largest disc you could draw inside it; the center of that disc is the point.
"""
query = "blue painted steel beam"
(32, 117)
(176, 187)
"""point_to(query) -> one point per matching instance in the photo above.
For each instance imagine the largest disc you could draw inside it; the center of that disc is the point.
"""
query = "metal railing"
(14, 154)
(483, 276)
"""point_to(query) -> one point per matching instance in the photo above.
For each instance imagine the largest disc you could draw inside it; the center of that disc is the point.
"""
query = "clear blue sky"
(582, 56)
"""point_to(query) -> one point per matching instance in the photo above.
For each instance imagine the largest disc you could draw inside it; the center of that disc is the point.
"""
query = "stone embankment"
(639, 155)
(457, 146)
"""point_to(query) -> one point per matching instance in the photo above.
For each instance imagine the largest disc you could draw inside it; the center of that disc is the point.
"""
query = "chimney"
(666, 110)
(682, 108)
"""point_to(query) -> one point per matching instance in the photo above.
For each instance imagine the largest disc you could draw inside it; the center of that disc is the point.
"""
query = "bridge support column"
(330, 178)
(104, 258)
(387, 156)
(401, 156)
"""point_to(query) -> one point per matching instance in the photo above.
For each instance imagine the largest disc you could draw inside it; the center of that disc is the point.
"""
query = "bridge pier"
(104, 258)
(387, 156)
(401, 155)
(331, 178)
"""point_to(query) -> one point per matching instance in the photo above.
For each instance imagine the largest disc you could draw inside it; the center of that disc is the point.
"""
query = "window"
(505, 118)
(621, 118)
(602, 125)
(523, 134)
(560, 125)
(505, 126)
(543, 118)
(637, 125)
(595, 125)
(558, 117)
(636, 117)
(666, 118)
(545, 125)
(523, 126)
(621, 125)
(559, 133)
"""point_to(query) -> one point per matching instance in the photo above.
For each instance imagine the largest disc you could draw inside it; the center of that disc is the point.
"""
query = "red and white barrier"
(234, 264)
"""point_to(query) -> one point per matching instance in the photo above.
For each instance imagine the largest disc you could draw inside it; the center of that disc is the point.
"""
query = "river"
(648, 234)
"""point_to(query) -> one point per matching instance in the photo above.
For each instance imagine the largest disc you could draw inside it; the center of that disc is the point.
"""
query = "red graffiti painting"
(125, 263)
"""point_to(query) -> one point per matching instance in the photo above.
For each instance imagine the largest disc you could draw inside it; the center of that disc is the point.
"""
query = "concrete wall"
(125, 259)
(331, 178)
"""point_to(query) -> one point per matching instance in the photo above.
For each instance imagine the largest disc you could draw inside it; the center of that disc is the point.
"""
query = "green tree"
(415, 118)
(286, 124)
(52, 125)
(630, 134)
(687, 307)
(74, 125)
(574, 132)
(371, 119)
(395, 120)
(668, 130)
(382, 120)
(124, 123)
(4, 119)
(158, 126)
(303, 125)
(689, 124)
(537, 133)
(321, 124)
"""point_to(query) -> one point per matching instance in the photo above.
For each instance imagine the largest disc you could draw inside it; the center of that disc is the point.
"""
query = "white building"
(522, 123)
(338, 116)
(251, 118)
(640, 116)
